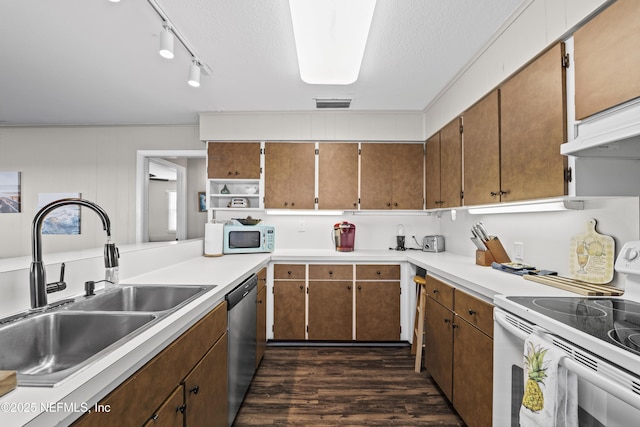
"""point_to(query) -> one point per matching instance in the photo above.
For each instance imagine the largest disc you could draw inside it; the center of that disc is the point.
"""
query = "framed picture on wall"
(9, 192)
(63, 220)
(202, 201)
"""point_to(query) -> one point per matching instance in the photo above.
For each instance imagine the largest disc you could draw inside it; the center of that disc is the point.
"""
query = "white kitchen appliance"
(600, 338)
(246, 239)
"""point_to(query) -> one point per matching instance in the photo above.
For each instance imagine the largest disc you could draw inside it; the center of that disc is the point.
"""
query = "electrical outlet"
(518, 251)
(301, 227)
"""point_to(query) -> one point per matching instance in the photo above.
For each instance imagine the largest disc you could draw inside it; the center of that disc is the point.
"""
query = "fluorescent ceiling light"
(541, 206)
(330, 37)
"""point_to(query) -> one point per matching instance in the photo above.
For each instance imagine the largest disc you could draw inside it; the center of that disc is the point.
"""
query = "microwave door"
(244, 239)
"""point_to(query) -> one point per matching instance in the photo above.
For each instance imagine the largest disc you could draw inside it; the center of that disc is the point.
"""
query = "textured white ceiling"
(96, 62)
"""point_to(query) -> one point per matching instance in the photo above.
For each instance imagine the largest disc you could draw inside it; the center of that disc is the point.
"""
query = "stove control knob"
(630, 254)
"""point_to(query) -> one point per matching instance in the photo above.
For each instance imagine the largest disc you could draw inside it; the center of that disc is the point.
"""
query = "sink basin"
(139, 298)
(48, 347)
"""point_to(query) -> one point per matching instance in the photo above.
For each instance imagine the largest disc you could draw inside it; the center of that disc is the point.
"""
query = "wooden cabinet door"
(338, 176)
(206, 389)
(331, 310)
(171, 413)
(439, 345)
(261, 324)
(288, 310)
(289, 177)
(472, 374)
(376, 176)
(533, 125)
(451, 165)
(481, 125)
(235, 160)
(607, 59)
(378, 311)
(432, 172)
(408, 176)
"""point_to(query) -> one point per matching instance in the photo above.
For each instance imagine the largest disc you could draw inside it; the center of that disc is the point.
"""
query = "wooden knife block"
(495, 252)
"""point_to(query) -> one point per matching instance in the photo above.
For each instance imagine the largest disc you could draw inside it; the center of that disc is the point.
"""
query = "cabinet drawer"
(331, 272)
(289, 271)
(440, 292)
(377, 272)
(475, 311)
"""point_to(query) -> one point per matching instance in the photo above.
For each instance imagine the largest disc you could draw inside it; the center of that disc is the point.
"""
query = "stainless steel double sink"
(46, 347)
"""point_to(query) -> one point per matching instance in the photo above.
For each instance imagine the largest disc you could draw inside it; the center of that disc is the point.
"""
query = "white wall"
(99, 162)
(534, 27)
(312, 126)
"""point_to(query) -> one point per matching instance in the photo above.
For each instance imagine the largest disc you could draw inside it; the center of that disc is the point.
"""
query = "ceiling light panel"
(330, 37)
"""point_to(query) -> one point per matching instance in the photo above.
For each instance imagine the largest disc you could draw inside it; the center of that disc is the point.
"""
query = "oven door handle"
(623, 393)
(614, 389)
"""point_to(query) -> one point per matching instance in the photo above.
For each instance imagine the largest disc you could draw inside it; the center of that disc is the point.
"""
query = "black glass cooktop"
(616, 321)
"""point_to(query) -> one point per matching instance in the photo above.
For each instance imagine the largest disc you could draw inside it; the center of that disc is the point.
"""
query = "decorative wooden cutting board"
(592, 256)
(582, 288)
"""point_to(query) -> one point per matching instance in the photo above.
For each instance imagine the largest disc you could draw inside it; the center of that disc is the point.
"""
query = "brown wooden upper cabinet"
(237, 160)
(607, 59)
(391, 176)
(338, 176)
(443, 178)
(289, 176)
(481, 124)
(533, 125)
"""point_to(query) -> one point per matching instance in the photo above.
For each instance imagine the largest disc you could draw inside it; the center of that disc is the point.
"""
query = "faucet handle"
(59, 285)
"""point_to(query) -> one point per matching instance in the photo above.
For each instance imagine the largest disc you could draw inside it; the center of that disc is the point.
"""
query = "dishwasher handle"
(241, 291)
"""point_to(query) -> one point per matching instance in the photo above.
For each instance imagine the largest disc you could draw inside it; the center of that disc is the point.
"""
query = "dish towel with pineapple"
(550, 390)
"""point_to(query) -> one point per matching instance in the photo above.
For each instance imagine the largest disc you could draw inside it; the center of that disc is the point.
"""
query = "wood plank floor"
(343, 386)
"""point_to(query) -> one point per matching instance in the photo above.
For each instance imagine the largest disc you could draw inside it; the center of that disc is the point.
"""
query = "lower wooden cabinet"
(330, 301)
(459, 350)
(439, 345)
(330, 310)
(289, 310)
(198, 358)
(378, 311)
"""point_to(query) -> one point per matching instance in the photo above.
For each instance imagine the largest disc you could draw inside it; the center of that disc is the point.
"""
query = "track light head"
(194, 74)
(166, 42)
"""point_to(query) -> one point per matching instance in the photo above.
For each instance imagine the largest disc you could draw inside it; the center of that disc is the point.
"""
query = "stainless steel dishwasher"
(241, 306)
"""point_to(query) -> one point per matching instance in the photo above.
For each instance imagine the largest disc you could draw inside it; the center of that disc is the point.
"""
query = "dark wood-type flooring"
(343, 386)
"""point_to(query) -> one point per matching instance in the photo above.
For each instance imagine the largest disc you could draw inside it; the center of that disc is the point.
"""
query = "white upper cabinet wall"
(312, 126)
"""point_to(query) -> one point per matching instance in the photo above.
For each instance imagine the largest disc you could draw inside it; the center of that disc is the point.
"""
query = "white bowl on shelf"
(251, 189)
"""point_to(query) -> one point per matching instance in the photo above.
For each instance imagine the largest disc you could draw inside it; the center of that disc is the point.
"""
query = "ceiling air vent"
(333, 103)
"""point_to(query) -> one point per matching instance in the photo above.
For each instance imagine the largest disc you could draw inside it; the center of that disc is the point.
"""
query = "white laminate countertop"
(46, 406)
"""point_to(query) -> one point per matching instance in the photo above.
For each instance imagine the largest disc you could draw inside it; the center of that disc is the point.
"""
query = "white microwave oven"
(244, 239)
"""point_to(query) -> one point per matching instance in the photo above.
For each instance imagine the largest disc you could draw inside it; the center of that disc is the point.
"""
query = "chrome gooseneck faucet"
(37, 274)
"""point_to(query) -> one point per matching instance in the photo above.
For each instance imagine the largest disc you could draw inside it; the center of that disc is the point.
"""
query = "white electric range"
(600, 337)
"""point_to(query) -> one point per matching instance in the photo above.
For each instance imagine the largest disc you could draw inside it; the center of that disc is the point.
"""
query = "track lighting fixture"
(166, 42)
(194, 74)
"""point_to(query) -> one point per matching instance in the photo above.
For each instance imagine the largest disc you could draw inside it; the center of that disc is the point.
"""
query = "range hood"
(614, 133)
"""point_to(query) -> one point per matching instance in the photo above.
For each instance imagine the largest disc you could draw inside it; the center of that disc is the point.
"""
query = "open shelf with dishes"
(234, 194)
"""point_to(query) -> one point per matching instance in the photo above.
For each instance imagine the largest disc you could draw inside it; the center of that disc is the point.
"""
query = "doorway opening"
(165, 181)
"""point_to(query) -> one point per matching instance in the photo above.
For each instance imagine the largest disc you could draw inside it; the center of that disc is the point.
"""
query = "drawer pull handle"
(472, 312)
(289, 272)
(379, 273)
(301, 287)
(195, 390)
(349, 287)
(330, 273)
(435, 291)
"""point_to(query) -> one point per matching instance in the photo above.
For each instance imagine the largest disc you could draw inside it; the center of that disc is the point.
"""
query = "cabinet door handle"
(502, 193)
(359, 288)
(181, 408)
(349, 287)
(289, 272)
(472, 312)
(435, 291)
(293, 204)
(454, 326)
(447, 320)
(389, 204)
(195, 389)
(229, 173)
(237, 173)
(301, 287)
(493, 194)
(286, 204)
(259, 301)
(395, 204)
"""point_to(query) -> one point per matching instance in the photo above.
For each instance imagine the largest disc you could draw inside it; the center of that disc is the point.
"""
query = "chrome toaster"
(433, 243)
